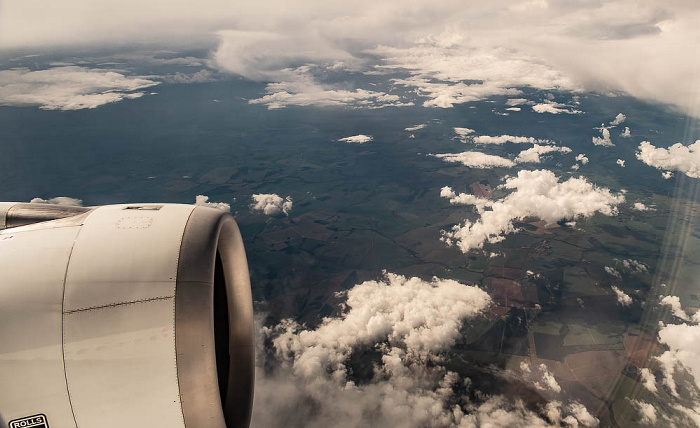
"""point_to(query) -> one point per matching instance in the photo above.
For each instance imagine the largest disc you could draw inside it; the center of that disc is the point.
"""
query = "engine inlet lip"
(212, 238)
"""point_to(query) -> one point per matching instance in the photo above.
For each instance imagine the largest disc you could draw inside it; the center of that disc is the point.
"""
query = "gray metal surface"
(20, 214)
(4, 207)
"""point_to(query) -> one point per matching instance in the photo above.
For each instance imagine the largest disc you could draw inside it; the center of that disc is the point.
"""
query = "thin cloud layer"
(537, 194)
(451, 53)
(271, 204)
(300, 89)
(68, 88)
(685, 159)
(447, 72)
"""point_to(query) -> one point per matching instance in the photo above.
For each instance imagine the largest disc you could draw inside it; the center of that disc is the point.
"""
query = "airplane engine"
(134, 315)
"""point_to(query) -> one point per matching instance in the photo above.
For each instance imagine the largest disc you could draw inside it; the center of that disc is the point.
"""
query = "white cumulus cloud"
(619, 119)
(357, 139)
(622, 298)
(68, 88)
(534, 194)
(620, 162)
(639, 206)
(464, 199)
(462, 133)
(203, 201)
(626, 133)
(407, 323)
(271, 204)
(533, 155)
(685, 159)
(604, 139)
(683, 341)
(554, 108)
(648, 379)
(476, 159)
(415, 127)
(502, 139)
(59, 200)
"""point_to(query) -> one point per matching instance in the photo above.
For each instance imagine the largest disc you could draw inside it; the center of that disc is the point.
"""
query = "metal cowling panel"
(118, 317)
(32, 270)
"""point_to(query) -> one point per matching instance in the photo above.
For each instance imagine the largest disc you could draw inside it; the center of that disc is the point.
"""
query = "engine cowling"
(133, 315)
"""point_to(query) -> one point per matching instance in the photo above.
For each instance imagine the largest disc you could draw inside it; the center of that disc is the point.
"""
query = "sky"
(648, 49)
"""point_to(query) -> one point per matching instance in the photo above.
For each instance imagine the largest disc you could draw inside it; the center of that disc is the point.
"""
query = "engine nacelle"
(119, 316)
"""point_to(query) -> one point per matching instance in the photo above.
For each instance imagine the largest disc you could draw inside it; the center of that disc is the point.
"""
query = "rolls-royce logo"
(36, 421)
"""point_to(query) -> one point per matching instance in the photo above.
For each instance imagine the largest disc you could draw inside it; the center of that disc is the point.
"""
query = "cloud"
(619, 45)
(620, 162)
(648, 379)
(483, 160)
(357, 139)
(613, 272)
(513, 109)
(301, 89)
(619, 119)
(59, 200)
(449, 73)
(553, 108)
(604, 139)
(683, 341)
(417, 127)
(641, 207)
(626, 133)
(675, 303)
(517, 101)
(646, 411)
(68, 88)
(203, 201)
(622, 297)
(476, 160)
(582, 158)
(685, 159)
(534, 194)
(201, 76)
(305, 376)
(462, 133)
(502, 139)
(271, 204)
(464, 199)
(533, 154)
(542, 379)
(634, 266)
